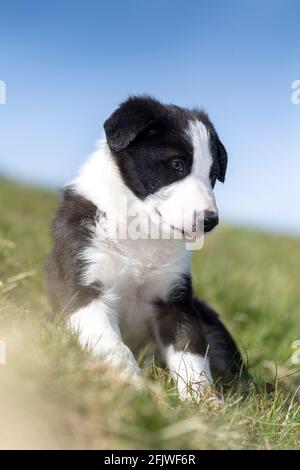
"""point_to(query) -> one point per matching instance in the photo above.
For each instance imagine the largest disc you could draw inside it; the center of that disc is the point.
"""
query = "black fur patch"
(226, 361)
(177, 322)
(71, 233)
(145, 136)
(190, 325)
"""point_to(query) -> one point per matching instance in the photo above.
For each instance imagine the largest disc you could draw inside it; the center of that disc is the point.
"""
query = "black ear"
(129, 120)
(222, 161)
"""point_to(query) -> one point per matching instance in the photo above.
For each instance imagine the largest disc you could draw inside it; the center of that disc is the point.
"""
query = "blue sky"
(67, 64)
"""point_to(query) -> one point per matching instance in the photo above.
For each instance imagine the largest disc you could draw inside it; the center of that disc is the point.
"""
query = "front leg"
(97, 328)
(183, 343)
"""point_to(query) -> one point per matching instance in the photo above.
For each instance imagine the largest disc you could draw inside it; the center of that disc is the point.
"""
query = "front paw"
(194, 389)
(191, 373)
(122, 358)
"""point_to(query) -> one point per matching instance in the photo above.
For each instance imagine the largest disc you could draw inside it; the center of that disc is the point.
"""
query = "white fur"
(133, 273)
(99, 181)
(191, 372)
(178, 202)
(97, 328)
(199, 136)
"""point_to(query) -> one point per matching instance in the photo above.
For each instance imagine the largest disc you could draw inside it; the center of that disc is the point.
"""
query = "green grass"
(53, 396)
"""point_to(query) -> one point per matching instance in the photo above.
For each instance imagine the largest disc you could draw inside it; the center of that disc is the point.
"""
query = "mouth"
(187, 235)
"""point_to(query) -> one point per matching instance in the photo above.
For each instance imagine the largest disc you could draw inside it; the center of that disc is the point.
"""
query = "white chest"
(133, 275)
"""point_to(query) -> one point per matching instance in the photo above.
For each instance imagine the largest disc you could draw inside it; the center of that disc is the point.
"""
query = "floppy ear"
(222, 161)
(128, 121)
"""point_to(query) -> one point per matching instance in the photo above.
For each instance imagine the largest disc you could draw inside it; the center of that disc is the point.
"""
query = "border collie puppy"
(120, 268)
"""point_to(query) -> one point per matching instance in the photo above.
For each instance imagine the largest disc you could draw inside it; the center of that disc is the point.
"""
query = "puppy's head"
(170, 158)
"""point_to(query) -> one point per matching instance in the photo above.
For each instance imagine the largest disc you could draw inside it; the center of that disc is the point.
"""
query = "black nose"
(211, 219)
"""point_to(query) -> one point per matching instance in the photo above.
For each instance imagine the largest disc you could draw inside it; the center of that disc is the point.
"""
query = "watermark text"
(296, 93)
(2, 92)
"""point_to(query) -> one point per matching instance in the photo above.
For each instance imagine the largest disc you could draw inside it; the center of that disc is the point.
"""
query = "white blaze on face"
(199, 136)
(178, 202)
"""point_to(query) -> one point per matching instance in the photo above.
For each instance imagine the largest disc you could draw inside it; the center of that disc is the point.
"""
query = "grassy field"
(53, 396)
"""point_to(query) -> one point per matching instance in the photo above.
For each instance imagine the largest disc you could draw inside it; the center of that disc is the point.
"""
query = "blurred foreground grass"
(52, 396)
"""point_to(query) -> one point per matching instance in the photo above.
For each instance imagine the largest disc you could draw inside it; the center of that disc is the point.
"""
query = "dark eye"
(177, 164)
